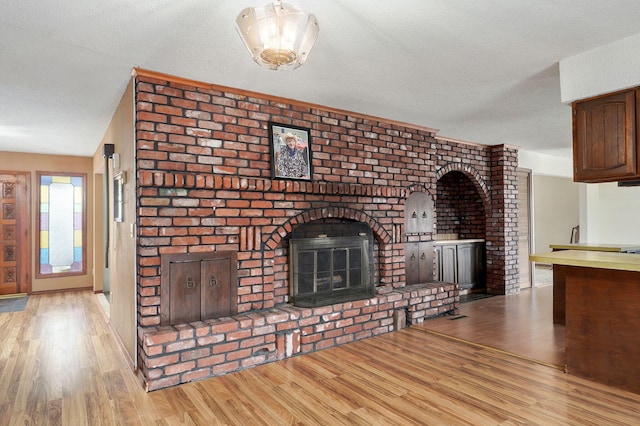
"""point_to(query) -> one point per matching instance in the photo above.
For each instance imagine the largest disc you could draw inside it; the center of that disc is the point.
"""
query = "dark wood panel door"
(470, 265)
(419, 262)
(198, 286)
(185, 292)
(412, 263)
(604, 138)
(216, 289)
(449, 264)
(418, 213)
(14, 239)
(426, 261)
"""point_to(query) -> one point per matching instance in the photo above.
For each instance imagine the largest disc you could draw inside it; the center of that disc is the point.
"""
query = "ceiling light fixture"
(279, 36)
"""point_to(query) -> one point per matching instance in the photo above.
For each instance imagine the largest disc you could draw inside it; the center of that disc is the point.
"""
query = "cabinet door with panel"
(184, 302)
(217, 298)
(197, 287)
(447, 263)
(418, 213)
(470, 265)
(604, 138)
(419, 262)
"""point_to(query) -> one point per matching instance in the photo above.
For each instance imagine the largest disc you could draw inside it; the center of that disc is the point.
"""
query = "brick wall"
(204, 184)
(502, 227)
(459, 206)
(173, 355)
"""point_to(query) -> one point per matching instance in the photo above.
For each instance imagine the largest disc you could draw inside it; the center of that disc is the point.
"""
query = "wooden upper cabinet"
(605, 148)
(418, 213)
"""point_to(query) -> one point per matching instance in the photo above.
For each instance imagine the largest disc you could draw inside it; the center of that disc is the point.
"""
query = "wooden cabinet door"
(198, 286)
(449, 262)
(418, 213)
(419, 262)
(185, 292)
(412, 263)
(470, 265)
(465, 266)
(425, 252)
(216, 289)
(604, 138)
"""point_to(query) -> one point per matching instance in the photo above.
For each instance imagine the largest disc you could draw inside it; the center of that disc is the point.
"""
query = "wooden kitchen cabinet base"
(603, 326)
(559, 289)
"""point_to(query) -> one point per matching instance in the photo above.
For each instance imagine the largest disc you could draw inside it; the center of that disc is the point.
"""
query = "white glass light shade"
(278, 36)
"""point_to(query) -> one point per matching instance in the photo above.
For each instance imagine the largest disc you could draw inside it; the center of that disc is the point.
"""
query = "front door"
(14, 238)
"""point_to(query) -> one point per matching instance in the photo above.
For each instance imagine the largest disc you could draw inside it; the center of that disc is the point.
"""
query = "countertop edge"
(596, 247)
(590, 259)
(469, 241)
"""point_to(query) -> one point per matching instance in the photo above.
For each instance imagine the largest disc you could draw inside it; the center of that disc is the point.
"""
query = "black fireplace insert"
(328, 270)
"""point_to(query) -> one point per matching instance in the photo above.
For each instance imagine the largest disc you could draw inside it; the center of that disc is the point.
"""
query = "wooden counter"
(559, 269)
(591, 259)
(619, 248)
(602, 327)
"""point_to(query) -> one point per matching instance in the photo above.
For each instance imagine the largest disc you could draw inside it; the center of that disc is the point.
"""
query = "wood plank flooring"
(60, 366)
(521, 324)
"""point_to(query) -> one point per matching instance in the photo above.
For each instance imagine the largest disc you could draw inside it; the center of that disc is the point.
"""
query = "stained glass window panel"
(61, 225)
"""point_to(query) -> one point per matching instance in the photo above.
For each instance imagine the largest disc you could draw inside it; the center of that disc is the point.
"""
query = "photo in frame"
(290, 152)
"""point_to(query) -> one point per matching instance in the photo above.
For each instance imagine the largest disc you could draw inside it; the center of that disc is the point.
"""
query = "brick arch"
(473, 175)
(418, 187)
(283, 230)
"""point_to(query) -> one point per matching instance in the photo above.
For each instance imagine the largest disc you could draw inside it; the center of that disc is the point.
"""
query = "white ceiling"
(480, 71)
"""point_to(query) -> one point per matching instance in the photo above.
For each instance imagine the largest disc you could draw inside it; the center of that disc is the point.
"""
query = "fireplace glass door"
(329, 270)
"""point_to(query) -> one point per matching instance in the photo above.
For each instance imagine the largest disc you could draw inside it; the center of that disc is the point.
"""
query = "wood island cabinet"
(605, 138)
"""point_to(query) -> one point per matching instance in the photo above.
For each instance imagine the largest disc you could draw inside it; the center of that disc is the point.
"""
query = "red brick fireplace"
(204, 185)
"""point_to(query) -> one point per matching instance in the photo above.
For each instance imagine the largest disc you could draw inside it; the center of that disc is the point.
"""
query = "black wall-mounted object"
(108, 150)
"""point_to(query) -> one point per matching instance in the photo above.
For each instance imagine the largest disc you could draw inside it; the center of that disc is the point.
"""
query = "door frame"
(529, 214)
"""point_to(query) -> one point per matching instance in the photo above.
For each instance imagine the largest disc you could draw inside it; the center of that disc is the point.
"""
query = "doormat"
(15, 304)
(474, 296)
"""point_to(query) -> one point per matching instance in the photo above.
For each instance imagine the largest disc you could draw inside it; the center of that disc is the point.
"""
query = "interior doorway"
(524, 227)
(14, 233)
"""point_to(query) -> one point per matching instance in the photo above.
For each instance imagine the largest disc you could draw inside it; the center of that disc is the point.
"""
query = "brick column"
(502, 227)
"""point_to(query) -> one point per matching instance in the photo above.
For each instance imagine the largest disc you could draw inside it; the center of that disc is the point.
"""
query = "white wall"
(605, 69)
(609, 214)
(556, 209)
(544, 164)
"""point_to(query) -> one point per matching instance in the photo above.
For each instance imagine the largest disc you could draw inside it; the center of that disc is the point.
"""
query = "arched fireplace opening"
(330, 261)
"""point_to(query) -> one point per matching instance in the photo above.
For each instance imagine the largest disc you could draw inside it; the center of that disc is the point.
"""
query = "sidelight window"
(61, 225)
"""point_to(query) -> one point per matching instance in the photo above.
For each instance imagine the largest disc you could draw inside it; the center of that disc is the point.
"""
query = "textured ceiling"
(480, 71)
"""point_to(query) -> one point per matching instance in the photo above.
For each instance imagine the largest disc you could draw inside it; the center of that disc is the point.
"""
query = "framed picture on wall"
(290, 152)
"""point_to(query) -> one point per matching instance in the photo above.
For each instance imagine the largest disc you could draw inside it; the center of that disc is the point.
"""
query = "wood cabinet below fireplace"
(198, 286)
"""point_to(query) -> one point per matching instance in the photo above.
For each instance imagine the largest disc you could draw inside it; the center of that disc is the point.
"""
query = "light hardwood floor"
(520, 324)
(60, 366)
